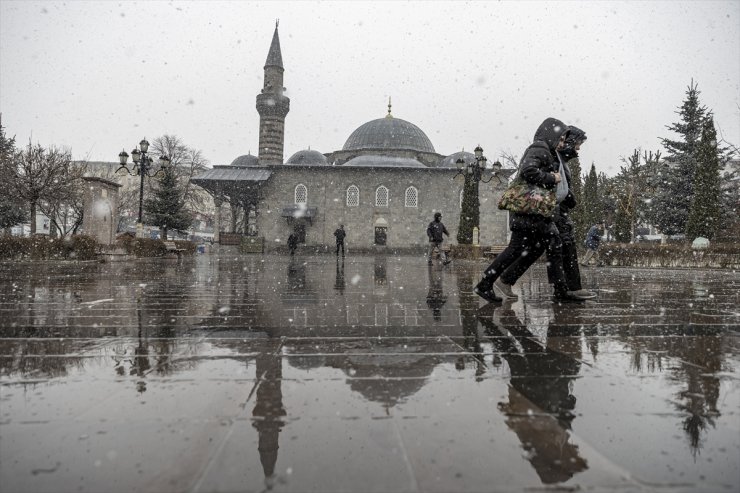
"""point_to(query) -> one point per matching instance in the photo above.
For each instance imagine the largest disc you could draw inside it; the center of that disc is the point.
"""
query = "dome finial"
(389, 108)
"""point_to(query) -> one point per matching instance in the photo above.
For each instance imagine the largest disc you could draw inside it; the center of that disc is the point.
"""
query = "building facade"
(384, 185)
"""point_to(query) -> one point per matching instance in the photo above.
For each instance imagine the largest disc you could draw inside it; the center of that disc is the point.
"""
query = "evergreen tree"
(576, 188)
(469, 212)
(12, 210)
(590, 208)
(673, 200)
(705, 213)
(166, 207)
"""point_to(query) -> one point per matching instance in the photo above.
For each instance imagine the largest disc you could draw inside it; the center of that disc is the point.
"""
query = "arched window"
(353, 196)
(412, 197)
(301, 194)
(381, 197)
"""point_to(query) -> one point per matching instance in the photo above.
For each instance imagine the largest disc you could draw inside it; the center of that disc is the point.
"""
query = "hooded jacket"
(539, 162)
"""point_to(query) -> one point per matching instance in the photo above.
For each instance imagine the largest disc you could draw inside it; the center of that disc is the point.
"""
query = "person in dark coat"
(531, 233)
(435, 230)
(593, 239)
(292, 243)
(562, 254)
(340, 234)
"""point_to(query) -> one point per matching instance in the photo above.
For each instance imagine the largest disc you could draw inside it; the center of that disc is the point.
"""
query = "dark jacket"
(538, 163)
(292, 241)
(340, 234)
(593, 238)
(435, 230)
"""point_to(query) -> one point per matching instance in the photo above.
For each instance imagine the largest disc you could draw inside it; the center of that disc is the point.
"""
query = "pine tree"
(590, 209)
(705, 213)
(469, 212)
(12, 210)
(166, 207)
(673, 200)
(576, 187)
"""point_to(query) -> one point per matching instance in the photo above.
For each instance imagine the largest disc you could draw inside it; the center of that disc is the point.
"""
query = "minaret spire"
(273, 105)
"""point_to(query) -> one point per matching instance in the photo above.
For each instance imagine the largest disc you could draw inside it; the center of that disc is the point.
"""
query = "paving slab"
(224, 373)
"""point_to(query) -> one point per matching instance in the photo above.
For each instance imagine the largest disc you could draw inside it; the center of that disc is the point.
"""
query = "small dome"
(451, 160)
(246, 160)
(388, 133)
(370, 161)
(307, 156)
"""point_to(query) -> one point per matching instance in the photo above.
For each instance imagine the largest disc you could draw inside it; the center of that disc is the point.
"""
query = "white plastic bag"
(562, 190)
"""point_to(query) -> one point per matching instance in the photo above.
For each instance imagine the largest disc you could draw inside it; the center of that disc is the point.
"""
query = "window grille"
(301, 194)
(353, 196)
(381, 197)
(412, 197)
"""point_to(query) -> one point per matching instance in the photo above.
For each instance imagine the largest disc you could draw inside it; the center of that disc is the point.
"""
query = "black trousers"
(562, 264)
(523, 245)
(340, 244)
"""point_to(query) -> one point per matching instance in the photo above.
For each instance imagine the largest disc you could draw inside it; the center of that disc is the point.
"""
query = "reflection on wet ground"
(364, 374)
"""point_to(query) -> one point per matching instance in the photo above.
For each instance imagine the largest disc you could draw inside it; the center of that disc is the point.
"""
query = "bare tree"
(64, 205)
(41, 174)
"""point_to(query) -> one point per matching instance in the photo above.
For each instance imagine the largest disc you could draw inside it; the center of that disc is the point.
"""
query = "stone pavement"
(234, 374)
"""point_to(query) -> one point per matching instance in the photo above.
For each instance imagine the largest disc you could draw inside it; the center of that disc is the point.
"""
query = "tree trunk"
(163, 233)
(33, 218)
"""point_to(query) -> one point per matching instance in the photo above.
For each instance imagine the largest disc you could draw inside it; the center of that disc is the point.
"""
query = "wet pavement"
(376, 373)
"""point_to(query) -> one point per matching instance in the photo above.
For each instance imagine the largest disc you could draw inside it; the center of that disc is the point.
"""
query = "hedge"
(41, 247)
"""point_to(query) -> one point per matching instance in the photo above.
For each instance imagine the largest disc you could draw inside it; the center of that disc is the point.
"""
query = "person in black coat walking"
(435, 230)
(292, 243)
(562, 255)
(531, 233)
(340, 234)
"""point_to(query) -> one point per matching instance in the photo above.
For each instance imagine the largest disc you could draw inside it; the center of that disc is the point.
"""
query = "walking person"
(292, 243)
(435, 230)
(340, 234)
(593, 239)
(562, 255)
(531, 233)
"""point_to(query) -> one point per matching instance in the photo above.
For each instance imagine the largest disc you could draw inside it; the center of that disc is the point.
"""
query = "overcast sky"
(99, 76)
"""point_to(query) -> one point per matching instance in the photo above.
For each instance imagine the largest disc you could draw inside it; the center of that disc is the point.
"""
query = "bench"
(171, 246)
(494, 250)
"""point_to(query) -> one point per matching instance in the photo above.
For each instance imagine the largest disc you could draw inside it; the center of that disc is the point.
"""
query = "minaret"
(272, 106)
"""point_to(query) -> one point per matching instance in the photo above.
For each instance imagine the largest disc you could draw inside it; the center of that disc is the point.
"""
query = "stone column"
(218, 202)
(100, 216)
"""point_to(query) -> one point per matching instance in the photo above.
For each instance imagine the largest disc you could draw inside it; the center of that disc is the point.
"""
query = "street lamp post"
(473, 172)
(142, 166)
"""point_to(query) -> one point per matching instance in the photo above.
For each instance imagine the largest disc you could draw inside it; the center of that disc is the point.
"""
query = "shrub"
(672, 255)
(41, 247)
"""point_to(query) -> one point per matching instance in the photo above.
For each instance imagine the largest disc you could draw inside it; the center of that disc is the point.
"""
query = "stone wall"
(327, 187)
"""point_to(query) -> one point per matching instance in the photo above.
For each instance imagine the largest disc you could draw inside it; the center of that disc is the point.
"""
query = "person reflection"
(296, 276)
(380, 271)
(339, 283)
(435, 297)
(268, 412)
(468, 303)
(540, 409)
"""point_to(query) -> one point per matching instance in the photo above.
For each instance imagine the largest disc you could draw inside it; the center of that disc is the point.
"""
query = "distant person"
(593, 239)
(292, 243)
(340, 234)
(435, 230)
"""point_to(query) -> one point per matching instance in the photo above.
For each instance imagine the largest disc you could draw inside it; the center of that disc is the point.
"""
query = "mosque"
(384, 185)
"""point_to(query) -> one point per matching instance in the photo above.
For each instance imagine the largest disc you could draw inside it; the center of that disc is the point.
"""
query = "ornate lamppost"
(473, 172)
(142, 166)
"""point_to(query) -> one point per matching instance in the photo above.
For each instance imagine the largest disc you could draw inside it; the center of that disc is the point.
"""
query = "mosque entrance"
(381, 235)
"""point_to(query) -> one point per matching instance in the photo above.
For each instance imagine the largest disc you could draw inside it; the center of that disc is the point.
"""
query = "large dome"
(388, 133)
